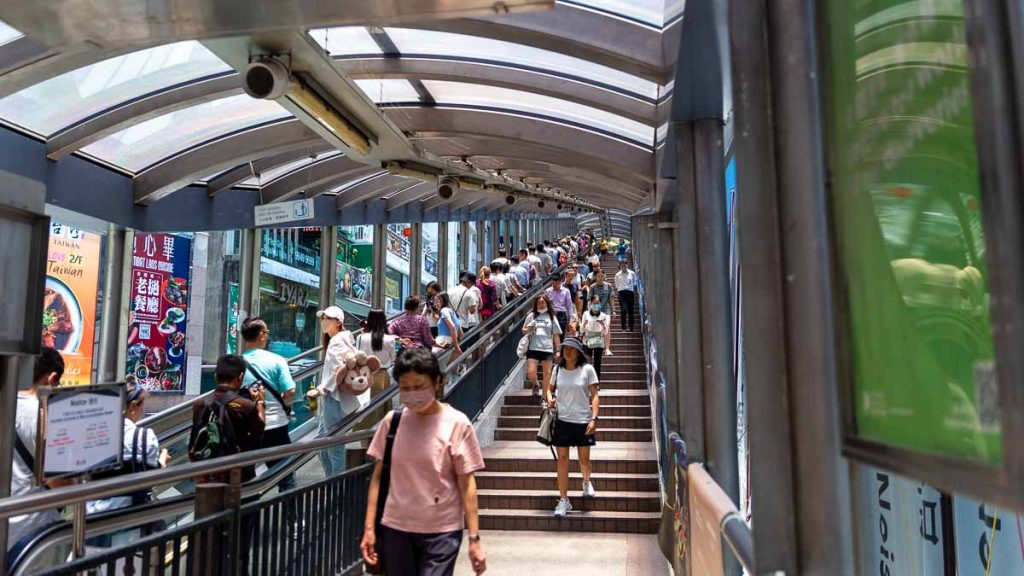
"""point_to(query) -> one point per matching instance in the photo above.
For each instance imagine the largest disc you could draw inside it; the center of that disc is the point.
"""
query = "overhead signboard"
(81, 429)
(281, 212)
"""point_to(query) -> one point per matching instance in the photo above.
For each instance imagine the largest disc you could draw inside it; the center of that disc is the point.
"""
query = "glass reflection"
(910, 239)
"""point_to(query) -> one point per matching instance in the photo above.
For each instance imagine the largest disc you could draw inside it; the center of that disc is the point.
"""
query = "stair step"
(603, 434)
(607, 421)
(612, 396)
(606, 410)
(487, 480)
(619, 385)
(546, 500)
(576, 521)
(606, 458)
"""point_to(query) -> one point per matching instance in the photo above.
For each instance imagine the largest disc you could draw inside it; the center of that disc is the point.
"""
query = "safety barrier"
(703, 516)
(475, 375)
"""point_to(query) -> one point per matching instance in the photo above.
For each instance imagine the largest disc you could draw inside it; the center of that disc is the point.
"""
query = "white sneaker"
(608, 353)
(588, 490)
(563, 508)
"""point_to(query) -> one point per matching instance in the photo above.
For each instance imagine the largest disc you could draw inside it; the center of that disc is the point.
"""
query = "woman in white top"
(333, 404)
(577, 404)
(596, 329)
(545, 333)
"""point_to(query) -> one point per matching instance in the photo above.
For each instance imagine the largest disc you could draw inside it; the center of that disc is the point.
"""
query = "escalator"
(471, 380)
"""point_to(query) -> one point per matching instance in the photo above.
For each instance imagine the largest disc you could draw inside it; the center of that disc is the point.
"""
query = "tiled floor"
(568, 554)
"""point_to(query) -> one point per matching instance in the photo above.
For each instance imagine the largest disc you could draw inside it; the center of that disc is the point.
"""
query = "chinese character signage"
(159, 305)
(69, 300)
(232, 323)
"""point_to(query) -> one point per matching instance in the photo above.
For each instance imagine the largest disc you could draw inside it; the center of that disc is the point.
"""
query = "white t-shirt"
(542, 338)
(148, 449)
(462, 300)
(574, 393)
(625, 280)
(500, 286)
(595, 259)
(591, 326)
(26, 423)
(538, 268)
(386, 355)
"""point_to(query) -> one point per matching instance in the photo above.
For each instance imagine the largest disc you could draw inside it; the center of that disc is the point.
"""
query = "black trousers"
(279, 437)
(411, 554)
(626, 309)
(595, 358)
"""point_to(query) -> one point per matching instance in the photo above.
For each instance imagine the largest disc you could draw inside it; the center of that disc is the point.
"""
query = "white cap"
(332, 312)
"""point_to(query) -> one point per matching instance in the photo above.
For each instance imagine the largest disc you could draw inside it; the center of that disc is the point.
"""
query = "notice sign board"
(81, 429)
(272, 214)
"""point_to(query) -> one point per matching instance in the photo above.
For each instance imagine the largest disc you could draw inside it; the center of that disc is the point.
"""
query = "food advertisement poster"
(159, 309)
(69, 300)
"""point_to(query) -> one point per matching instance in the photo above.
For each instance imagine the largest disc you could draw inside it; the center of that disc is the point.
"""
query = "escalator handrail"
(292, 456)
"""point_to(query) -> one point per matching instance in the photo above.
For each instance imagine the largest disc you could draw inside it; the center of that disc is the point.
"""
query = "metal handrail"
(293, 457)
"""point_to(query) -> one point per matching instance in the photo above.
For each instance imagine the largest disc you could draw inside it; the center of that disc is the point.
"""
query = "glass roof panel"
(445, 44)
(147, 143)
(59, 102)
(388, 90)
(274, 173)
(647, 11)
(502, 98)
(8, 34)
(345, 40)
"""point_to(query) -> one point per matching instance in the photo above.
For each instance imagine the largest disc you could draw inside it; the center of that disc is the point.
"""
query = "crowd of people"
(416, 517)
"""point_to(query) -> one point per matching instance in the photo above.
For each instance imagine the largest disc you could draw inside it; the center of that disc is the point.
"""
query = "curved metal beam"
(329, 171)
(134, 112)
(185, 168)
(537, 82)
(580, 33)
(409, 195)
(243, 172)
(569, 161)
(561, 176)
(379, 186)
(424, 123)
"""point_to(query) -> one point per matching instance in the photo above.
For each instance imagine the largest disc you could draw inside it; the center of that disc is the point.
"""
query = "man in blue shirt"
(270, 371)
(520, 271)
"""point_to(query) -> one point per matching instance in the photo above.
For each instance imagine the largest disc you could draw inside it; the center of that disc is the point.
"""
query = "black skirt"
(570, 434)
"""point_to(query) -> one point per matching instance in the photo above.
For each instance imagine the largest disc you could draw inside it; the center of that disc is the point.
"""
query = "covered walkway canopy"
(142, 119)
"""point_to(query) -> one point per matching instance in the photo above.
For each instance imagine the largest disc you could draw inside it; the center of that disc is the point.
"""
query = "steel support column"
(107, 368)
(415, 259)
(15, 373)
(481, 244)
(463, 248)
(249, 277)
(380, 235)
(803, 523)
(442, 255)
(328, 265)
(495, 237)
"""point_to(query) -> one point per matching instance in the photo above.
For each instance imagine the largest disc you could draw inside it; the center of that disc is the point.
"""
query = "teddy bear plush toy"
(357, 372)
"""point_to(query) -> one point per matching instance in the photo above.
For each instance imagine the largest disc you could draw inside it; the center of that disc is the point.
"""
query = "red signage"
(407, 232)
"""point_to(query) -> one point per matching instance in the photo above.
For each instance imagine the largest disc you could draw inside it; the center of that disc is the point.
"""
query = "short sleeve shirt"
(604, 292)
(274, 369)
(442, 326)
(542, 338)
(429, 455)
(574, 393)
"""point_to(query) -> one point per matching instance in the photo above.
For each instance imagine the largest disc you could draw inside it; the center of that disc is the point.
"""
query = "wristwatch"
(593, 417)
(473, 538)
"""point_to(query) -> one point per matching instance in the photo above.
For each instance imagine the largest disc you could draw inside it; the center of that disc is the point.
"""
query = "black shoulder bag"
(383, 489)
(273, 391)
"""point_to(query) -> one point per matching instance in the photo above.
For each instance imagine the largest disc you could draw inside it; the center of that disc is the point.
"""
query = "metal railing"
(476, 378)
(672, 452)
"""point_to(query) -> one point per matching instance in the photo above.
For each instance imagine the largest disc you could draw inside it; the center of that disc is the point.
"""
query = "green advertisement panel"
(907, 223)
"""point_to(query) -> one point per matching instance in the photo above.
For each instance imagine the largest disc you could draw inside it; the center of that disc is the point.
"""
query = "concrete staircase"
(518, 491)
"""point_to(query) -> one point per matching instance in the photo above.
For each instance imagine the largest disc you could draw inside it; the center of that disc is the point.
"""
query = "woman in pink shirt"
(432, 493)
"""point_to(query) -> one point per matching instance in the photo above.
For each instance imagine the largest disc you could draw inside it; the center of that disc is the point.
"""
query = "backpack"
(214, 433)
